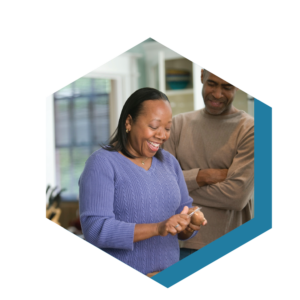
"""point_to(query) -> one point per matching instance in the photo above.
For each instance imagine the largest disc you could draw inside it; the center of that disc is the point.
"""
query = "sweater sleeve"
(96, 198)
(235, 192)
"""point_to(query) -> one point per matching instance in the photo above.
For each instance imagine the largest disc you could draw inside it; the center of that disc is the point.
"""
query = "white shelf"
(179, 92)
(158, 60)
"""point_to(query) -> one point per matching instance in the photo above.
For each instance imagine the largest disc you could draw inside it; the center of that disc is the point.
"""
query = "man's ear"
(202, 75)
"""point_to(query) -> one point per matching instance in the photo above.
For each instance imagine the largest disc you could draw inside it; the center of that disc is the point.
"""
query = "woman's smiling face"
(150, 129)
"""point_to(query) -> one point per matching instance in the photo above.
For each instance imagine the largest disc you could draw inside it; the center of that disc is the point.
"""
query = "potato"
(197, 218)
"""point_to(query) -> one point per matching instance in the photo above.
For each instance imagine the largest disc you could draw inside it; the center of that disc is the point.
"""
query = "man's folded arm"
(190, 179)
(235, 191)
(189, 175)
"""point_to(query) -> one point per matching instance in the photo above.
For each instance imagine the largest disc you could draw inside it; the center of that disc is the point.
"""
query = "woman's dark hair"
(133, 107)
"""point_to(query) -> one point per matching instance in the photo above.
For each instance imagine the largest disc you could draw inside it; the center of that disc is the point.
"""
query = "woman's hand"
(175, 224)
(191, 228)
(184, 229)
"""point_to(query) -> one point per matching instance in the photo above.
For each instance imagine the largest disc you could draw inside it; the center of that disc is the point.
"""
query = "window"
(81, 112)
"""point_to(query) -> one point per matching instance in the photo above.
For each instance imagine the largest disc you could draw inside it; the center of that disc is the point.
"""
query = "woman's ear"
(128, 123)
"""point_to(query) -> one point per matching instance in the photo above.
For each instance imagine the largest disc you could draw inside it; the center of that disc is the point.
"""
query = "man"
(215, 148)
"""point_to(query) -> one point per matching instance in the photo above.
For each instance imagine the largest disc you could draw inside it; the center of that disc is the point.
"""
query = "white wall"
(50, 143)
(123, 71)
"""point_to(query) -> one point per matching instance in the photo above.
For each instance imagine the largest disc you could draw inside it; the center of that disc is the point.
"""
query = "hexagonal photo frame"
(263, 158)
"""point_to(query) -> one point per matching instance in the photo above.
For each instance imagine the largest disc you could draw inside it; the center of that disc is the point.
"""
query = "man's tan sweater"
(202, 141)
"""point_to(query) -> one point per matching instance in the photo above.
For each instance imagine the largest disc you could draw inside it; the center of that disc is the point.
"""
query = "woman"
(134, 202)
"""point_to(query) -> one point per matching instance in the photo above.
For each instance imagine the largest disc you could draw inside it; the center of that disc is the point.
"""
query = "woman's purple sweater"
(115, 194)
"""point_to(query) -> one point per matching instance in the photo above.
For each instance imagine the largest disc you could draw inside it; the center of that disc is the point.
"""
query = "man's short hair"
(205, 72)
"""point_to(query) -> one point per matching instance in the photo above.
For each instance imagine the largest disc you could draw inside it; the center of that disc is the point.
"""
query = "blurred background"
(83, 115)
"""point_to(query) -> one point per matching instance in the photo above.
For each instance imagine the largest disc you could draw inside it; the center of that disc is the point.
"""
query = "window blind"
(81, 111)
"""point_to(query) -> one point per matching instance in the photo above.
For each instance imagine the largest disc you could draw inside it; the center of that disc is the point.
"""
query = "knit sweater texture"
(115, 194)
(202, 141)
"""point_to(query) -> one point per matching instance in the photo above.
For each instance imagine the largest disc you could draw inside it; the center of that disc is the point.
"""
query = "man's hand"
(211, 176)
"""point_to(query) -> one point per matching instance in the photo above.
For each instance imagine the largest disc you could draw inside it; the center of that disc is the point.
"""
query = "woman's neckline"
(124, 158)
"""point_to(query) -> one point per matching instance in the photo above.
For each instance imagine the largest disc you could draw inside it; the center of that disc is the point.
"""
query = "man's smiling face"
(217, 94)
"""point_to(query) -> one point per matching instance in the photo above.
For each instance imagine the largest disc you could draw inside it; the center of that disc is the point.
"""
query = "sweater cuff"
(124, 238)
(190, 179)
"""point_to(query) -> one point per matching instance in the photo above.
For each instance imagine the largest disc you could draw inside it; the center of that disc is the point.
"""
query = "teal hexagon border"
(263, 206)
